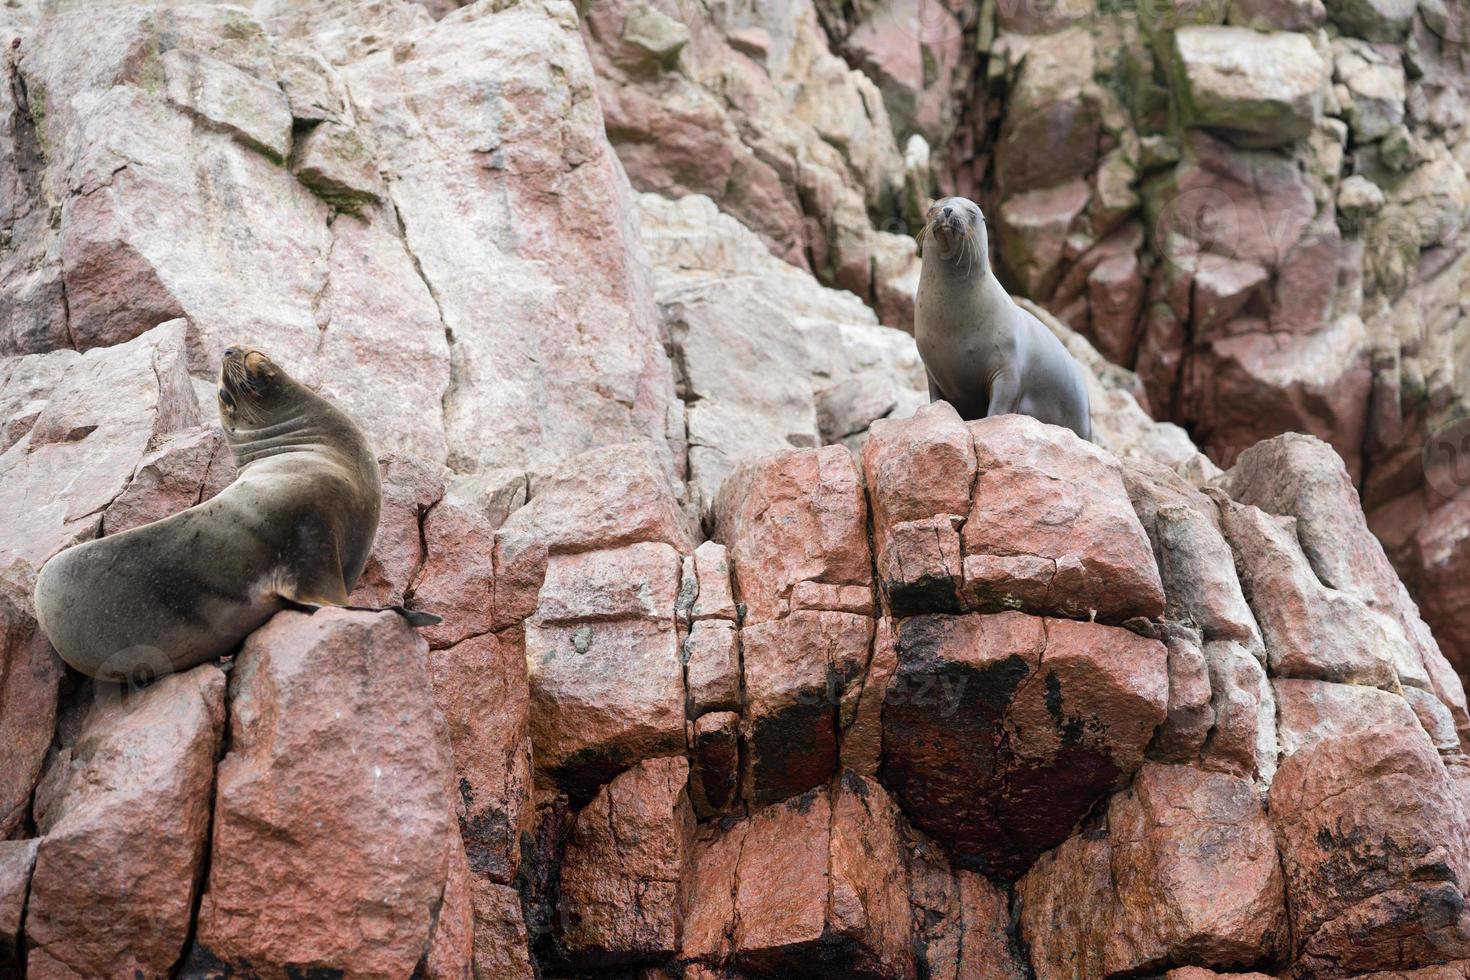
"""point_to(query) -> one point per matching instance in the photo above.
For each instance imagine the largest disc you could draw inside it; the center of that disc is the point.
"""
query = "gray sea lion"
(983, 353)
(293, 529)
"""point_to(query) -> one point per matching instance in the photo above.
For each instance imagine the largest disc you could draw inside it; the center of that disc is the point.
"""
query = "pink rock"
(1043, 492)
(1115, 294)
(143, 760)
(712, 567)
(338, 759)
(1222, 286)
(1066, 909)
(30, 680)
(798, 673)
(919, 565)
(1311, 631)
(1372, 844)
(623, 875)
(1001, 582)
(793, 517)
(410, 487)
(1190, 714)
(17, 859)
(1033, 230)
(919, 467)
(169, 479)
(1303, 477)
(604, 695)
(501, 939)
(714, 772)
(108, 409)
(822, 871)
(480, 686)
(456, 580)
(1242, 741)
(1195, 871)
(451, 954)
(962, 922)
(637, 581)
(820, 597)
(601, 499)
(712, 667)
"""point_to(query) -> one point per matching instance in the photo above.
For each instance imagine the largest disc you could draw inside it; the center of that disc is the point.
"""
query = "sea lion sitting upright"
(983, 353)
(293, 529)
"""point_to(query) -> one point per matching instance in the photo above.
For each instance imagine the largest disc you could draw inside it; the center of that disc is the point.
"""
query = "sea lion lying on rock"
(983, 353)
(293, 530)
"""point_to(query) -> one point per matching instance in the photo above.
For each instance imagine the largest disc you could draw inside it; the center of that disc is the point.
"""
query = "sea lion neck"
(310, 425)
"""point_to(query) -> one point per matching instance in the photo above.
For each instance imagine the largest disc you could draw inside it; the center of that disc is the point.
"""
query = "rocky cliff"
(752, 665)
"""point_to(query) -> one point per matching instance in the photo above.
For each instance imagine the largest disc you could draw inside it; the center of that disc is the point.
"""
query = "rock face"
(753, 663)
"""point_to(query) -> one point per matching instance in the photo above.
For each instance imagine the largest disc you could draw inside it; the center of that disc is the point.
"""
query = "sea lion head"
(954, 234)
(253, 390)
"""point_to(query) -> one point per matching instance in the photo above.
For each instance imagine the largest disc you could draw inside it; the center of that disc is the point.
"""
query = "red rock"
(712, 567)
(714, 772)
(604, 695)
(451, 953)
(410, 487)
(30, 681)
(1310, 630)
(1115, 293)
(1077, 727)
(962, 922)
(817, 879)
(919, 565)
(798, 671)
(869, 882)
(1033, 230)
(501, 940)
(1066, 909)
(338, 759)
(1372, 842)
(143, 761)
(712, 667)
(520, 568)
(862, 743)
(603, 498)
(480, 686)
(919, 467)
(1195, 870)
(999, 582)
(17, 859)
(1001, 731)
(623, 875)
(943, 716)
(1190, 715)
(1043, 492)
(793, 517)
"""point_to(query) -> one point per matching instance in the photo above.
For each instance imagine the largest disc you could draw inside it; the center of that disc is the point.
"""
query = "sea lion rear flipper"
(415, 617)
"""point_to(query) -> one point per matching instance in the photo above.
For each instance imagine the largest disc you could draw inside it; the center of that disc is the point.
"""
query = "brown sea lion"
(293, 530)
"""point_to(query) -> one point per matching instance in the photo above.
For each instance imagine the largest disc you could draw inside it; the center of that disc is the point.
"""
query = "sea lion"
(983, 353)
(293, 530)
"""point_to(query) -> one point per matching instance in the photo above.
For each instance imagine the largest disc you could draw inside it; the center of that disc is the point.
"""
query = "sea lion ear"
(258, 365)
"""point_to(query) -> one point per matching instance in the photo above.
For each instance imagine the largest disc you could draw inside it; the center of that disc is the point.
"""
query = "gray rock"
(1261, 89)
(253, 111)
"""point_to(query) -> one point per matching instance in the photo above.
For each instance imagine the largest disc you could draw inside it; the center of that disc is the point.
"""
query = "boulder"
(714, 599)
(714, 769)
(1372, 842)
(793, 517)
(802, 676)
(623, 874)
(338, 758)
(920, 471)
(1261, 89)
(480, 687)
(143, 760)
(1000, 732)
(335, 162)
(1373, 20)
(712, 667)
(30, 680)
(1043, 493)
(816, 883)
